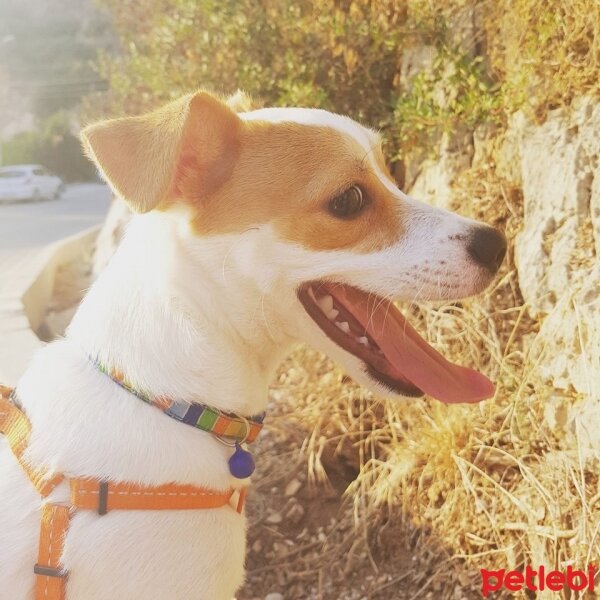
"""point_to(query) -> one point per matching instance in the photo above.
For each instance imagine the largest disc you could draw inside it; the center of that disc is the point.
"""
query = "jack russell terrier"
(124, 448)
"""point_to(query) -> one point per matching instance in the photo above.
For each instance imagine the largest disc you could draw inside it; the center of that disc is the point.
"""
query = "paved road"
(25, 230)
(35, 225)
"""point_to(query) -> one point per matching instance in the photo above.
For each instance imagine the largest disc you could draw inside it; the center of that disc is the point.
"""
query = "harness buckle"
(103, 498)
(49, 571)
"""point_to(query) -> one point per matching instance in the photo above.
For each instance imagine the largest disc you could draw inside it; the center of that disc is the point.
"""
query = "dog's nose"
(487, 246)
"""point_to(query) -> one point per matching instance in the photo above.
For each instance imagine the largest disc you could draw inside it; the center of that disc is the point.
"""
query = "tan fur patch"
(285, 174)
(209, 149)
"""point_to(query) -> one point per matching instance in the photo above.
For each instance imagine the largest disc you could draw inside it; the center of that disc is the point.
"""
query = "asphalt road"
(28, 226)
(25, 230)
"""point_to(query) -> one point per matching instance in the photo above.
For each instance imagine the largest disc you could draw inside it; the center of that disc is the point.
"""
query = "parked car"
(28, 182)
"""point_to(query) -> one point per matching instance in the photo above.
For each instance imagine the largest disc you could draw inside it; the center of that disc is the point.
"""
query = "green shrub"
(53, 145)
(348, 57)
(546, 52)
(342, 56)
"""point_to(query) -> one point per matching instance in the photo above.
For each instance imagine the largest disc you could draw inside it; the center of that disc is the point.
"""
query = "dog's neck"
(180, 320)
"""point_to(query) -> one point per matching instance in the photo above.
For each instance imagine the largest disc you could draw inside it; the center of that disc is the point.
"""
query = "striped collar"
(230, 426)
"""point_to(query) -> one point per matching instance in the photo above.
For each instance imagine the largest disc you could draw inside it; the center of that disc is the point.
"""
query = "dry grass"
(546, 52)
(500, 484)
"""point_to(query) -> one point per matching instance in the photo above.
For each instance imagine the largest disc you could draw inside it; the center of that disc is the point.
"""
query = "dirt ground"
(304, 543)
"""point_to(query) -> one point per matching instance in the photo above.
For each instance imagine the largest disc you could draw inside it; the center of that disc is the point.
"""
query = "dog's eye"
(348, 204)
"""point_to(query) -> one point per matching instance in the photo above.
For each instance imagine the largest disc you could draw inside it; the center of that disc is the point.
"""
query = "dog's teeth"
(344, 326)
(332, 314)
(363, 340)
(325, 304)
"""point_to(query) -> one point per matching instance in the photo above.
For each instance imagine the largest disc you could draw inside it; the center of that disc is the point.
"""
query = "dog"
(253, 231)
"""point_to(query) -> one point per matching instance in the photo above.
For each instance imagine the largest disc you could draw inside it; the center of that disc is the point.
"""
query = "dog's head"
(310, 216)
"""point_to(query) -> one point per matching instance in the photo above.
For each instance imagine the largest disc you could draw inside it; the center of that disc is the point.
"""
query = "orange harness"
(89, 494)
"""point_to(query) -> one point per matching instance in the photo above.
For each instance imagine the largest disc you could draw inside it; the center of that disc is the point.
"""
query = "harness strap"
(50, 578)
(90, 494)
(17, 429)
(103, 496)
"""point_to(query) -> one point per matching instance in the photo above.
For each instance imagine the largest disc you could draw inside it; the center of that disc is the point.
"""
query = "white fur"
(205, 319)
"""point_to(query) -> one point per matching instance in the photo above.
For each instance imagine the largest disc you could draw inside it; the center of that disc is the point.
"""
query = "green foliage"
(454, 91)
(483, 60)
(343, 56)
(545, 52)
(282, 52)
(53, 145)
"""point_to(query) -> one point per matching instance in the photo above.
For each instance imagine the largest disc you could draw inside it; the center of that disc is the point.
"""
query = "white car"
(28, 182)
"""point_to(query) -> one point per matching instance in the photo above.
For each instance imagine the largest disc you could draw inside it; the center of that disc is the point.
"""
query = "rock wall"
(558, 250)
(559, 246)
(557, 166)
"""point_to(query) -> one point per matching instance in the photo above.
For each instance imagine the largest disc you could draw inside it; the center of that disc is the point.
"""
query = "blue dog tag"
(241, 463)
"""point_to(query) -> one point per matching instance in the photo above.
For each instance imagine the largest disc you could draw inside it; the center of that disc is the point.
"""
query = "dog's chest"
(86, 430)
(180, 555)
(184, 554)
(155, 555)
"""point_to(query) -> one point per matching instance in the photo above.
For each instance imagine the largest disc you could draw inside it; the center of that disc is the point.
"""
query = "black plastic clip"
(49, 571)
(103, 498)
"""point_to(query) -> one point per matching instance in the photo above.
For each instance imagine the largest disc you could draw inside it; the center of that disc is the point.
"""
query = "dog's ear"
(185, 149)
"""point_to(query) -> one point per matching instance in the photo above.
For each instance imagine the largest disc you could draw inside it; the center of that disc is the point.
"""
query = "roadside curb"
(23, 306)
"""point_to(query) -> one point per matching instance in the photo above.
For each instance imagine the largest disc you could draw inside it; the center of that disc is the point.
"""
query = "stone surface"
(415, 60)
(508, 155)
(274, 518)
(30, 237)
(111, 234)
(558, 248)
(56, 323)
(557, 166)
(292, 487)
(433, 183)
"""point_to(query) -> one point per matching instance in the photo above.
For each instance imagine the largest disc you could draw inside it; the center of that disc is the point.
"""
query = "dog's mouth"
(373, 329)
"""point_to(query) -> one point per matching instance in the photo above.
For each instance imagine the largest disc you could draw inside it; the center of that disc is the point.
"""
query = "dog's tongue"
(409, 355)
